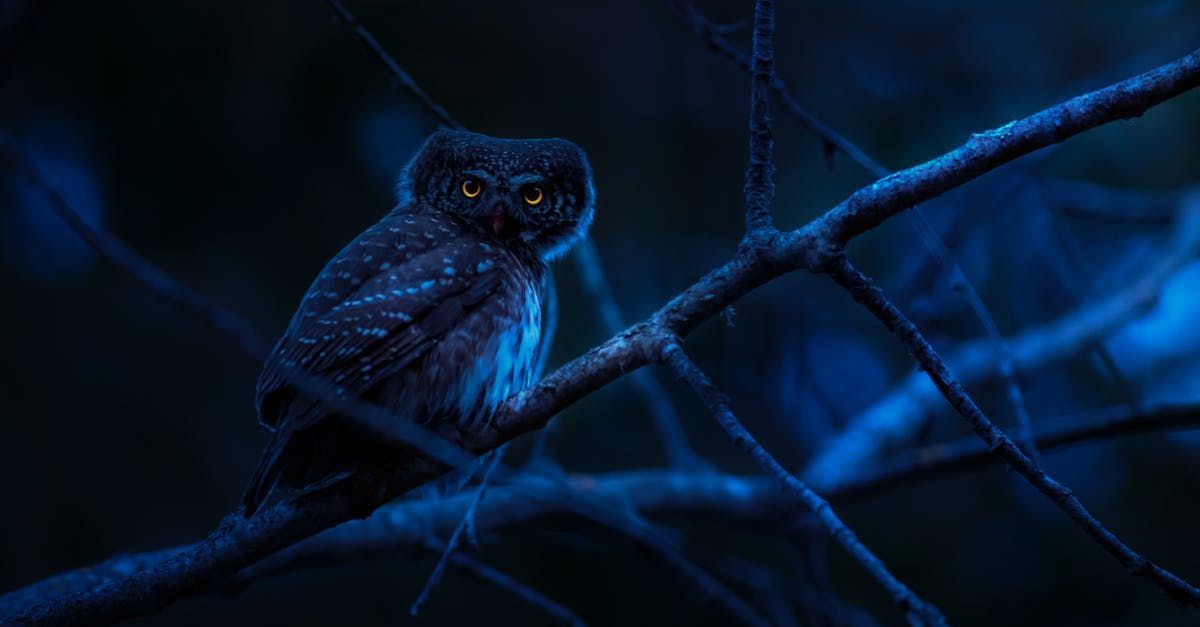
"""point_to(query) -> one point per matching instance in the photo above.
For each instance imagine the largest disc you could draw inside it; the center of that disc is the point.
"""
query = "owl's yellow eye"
(533, 195)
(471, 187)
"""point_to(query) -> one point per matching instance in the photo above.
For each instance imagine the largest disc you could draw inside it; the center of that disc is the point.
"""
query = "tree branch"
(760, 169)
(161, 284)
(835, 142)
(895, 418)
(486, 573)
(918, 611)
(678, 450)
(406, 524)
(402, 79)
(870, 206)
(871, 297)
(657, 492)
(715, 39)
(455, 537)
(941, 459)
(1111, 203)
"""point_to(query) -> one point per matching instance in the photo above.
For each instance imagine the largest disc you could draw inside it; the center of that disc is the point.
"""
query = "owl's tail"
(309, 459)
(267, 474)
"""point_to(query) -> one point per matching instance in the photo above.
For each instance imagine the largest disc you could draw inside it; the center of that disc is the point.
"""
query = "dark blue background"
(240, 144)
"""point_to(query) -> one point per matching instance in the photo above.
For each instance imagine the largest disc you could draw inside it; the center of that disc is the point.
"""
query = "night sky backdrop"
(240, 144)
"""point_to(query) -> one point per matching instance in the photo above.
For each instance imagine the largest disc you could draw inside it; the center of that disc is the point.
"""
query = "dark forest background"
(241, 144)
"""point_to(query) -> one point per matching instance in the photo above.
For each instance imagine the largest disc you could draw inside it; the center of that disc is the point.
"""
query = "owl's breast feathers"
(422, 313)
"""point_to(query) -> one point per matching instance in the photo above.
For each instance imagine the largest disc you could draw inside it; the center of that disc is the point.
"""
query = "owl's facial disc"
(534, 193)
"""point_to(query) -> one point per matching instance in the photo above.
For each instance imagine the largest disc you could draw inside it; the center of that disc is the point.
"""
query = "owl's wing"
(398, 288)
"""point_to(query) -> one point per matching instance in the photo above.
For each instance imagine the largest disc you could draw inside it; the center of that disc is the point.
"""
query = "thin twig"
(815, 601)
(1086, 198)
(1065, 257)
(715, 38)
(649, 537)
(1008, 373)
(675, 443)
(760, 167)
(402, 78)
(871, 205)
(918, 611)
(834, 141)
(871, 297)
(937, 460)
(893, 419)
(505, 582)
(452, 543)
(159, 283)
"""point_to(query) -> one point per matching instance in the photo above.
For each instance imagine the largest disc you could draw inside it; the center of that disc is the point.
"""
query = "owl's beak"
(498, 220)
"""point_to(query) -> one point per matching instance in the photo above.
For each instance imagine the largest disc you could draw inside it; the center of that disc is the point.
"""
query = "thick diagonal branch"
(871, 205)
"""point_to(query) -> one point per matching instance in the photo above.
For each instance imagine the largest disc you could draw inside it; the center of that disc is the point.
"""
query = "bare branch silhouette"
(371, 46)
(919, 611)
(486, 573)
(871, 297)
(666, 420)
(760, 172)
(894, 418)
(400, 526)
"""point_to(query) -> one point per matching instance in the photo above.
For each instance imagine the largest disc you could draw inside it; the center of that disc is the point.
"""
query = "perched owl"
(434, 312)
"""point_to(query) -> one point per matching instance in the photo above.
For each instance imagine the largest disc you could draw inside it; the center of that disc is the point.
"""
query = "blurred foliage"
(240, 144)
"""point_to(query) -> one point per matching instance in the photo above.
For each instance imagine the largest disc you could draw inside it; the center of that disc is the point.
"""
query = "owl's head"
(537, 192)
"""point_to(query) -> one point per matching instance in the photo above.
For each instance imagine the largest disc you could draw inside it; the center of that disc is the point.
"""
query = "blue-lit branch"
(678, 450)
(714, 37)
(395, 530)
(467, 521)
(835, 142)
(872, 205)
(893, 420)
(919, 611)
(871, 297)
(760, 172)
(759, 196)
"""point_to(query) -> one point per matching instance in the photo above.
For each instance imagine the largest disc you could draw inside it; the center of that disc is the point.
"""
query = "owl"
(433, 313)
